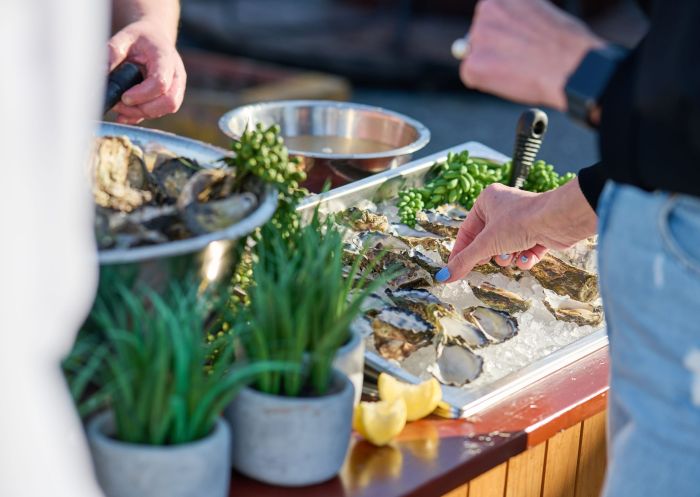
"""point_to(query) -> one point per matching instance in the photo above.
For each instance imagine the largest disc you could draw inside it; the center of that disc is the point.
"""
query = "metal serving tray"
(457, 402)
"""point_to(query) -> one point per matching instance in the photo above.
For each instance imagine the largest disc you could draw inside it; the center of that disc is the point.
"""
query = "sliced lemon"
(421, 399)
(379, 422)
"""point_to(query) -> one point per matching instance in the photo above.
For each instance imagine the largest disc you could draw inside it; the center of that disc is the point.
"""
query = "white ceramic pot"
(350, 360)
(291, 441)
(193, 469)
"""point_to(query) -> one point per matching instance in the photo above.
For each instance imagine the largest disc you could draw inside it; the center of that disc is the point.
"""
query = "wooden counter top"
(434, 456)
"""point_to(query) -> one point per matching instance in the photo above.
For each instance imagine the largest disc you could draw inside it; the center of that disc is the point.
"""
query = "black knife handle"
(121, 79)
(529, 134)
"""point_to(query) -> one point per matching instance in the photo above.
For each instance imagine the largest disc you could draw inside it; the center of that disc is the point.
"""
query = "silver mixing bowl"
(325, 118)
(210, 257)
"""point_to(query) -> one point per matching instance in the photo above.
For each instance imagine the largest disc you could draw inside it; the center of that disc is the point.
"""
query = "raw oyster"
(399, 332)
(424, 261)
(409, 274)
(565, 279)
(492, 268)
(207, 203)
(454, 211)
(119, 174)
(422, 302)
(572, 311)
(146, 225)
(437, 223)
(456, 365)
(439, 245)
(454, 330)
(498, 325)
(499, 299)
(170, 176)
(377, 240)
(363, 220)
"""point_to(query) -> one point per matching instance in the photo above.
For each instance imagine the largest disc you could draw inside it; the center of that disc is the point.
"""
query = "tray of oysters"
(482, 338)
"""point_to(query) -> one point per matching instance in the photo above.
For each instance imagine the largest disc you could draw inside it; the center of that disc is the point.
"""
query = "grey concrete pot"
(187, 470)
(291, 441)
(350, 360)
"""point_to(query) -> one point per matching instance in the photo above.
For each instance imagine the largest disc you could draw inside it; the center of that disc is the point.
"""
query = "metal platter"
(207, 156)
(457, 402)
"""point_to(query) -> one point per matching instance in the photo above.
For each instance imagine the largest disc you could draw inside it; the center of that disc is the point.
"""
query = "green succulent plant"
(150, 364)
(302, 305)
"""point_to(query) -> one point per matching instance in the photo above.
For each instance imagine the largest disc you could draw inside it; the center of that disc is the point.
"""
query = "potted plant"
(293, 428)
(165, 388)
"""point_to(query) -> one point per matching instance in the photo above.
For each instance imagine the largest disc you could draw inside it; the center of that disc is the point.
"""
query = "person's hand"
(524, 50)
(506, 224)
(148, 45)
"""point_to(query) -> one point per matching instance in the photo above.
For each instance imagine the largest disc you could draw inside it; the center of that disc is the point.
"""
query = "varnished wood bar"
(546, 441)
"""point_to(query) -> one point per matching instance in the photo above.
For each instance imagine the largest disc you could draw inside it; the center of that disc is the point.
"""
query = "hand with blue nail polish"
(515, 226)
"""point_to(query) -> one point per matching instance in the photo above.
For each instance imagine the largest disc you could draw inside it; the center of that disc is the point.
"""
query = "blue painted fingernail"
(523, 259)
(443, 275)
(504, 257)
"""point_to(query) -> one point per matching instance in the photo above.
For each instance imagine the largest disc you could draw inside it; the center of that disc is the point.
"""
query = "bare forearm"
(165, 12)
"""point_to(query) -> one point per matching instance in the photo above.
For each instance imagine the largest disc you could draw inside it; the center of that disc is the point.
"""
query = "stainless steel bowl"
(326, 118)
(210, 256)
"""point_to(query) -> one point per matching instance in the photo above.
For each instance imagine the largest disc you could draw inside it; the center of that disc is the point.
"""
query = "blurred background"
(390, 53)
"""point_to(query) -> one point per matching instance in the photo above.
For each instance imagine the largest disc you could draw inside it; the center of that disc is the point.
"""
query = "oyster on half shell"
(207, 202)
(456, 365)
(437, 223)
(363, 220)
(399, 332)
(422, 302)
(119, 174)
(499, 299)
(565, 279)
(409, 274)
(498, 325)
(572, 311)
(455, 330)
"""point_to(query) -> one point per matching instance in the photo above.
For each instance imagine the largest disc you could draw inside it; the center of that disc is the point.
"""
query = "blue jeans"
(649, 263)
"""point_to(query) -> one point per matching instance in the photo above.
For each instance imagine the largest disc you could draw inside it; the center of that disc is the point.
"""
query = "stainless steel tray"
(456, 401)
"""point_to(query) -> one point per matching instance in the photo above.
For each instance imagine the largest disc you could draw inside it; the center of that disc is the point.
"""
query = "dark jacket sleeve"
(650, 126)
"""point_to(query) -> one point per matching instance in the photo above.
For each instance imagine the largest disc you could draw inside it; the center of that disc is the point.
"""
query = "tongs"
(529, 134)
(121, 79)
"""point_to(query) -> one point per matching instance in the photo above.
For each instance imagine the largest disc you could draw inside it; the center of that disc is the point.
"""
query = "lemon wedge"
(421, 399)
(379, 422)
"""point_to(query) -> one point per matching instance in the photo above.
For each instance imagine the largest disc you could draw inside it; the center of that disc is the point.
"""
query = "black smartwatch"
(588, 82)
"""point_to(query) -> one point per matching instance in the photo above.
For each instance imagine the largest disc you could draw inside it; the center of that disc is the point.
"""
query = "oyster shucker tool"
(121, 79)
(529, 134)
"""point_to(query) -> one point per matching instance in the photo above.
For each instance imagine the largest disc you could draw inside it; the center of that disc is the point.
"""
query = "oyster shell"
(437, 223)
(207, 203)
(410, 275)
(363, 220)
(454, 330)
(493, 268)
(498, 325)
(454, 211)
(565, 279)
(572, 311)
(439, 245)
(119, 174)
(170, 176)
(146, 225)
(399, 332)
(499, 299)
(422, 302)
(456, 365)
(377, 240)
